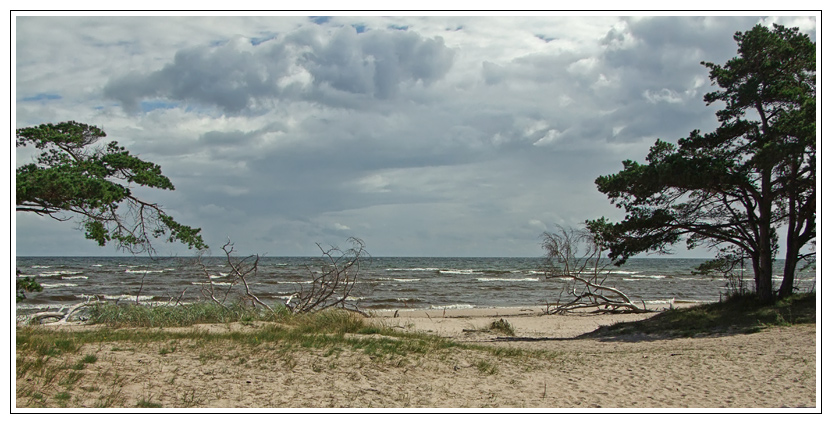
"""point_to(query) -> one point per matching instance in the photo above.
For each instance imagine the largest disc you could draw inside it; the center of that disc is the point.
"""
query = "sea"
(383, 283)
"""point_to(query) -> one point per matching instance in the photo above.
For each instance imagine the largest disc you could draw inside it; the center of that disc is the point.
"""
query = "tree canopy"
(732, 189)
(72, 177)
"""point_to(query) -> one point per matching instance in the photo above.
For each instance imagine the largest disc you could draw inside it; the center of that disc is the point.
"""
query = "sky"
(420, 135)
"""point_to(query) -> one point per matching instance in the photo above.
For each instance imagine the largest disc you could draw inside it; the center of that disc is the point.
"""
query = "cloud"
(243, 75)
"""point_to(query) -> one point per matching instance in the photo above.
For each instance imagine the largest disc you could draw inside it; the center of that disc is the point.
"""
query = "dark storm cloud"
(239, 75)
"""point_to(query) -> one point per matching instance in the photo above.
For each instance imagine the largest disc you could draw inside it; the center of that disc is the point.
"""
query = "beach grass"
(132, 315)
(737, 314)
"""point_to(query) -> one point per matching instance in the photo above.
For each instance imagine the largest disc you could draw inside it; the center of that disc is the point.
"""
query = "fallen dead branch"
(573, 256)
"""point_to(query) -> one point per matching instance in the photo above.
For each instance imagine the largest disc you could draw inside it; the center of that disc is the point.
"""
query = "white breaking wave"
(49, 285)
(57, 273)
(508, 279)
(456, 271)
(142, 271)
(126, 297)
(454, 306)
(74, 277)
(216, 283)
(412, 269)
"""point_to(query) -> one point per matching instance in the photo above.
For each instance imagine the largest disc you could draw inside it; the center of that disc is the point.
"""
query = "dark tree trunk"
(764, 273)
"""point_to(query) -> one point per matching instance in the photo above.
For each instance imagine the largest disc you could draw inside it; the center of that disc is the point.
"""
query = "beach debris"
(574, 256)
(331, 287)
(62, 316)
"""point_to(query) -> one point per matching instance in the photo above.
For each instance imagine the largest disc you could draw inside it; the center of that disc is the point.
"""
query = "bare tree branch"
(331, 287)
(575, 257)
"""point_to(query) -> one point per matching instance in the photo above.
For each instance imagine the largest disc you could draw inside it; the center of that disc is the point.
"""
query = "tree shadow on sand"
(737, 315)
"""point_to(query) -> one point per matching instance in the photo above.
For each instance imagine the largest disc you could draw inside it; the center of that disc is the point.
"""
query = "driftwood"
(62, 316)
(240, 270)
(575, 257)
(331, 287)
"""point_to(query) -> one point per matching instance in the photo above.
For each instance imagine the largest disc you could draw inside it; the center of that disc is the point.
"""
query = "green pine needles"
(73, 177)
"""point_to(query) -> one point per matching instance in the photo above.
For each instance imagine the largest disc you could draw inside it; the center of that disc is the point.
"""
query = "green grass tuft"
(502, 326)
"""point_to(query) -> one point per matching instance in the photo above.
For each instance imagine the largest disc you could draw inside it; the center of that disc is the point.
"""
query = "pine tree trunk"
(792, 250)
(764, 276)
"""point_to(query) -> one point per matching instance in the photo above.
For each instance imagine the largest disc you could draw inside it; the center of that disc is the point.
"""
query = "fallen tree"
(573, 256)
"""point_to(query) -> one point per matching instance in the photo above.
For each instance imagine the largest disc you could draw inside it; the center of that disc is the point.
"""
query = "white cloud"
(340, 227)
(551, 137)
(662, 96)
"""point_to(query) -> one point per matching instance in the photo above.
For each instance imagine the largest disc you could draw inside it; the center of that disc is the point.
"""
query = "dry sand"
(770, 369)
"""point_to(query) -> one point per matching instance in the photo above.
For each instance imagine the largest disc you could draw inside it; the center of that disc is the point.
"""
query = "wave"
(142, 271)
(453, 306)
(508, 279)
(394, 303)
(74, 277)
(52, 285)
(126, 297)
(457, 271)
(41, 266)
(495, 271)
(216, 283)
(671, 300)
(413, 269)
(644, 277)
(57, 273)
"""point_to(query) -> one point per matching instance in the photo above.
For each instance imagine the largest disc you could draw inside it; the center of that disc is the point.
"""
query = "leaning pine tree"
(74, 177)
(733, 189)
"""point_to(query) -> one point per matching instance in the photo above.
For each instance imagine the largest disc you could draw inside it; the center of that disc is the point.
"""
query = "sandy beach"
(771, 369)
